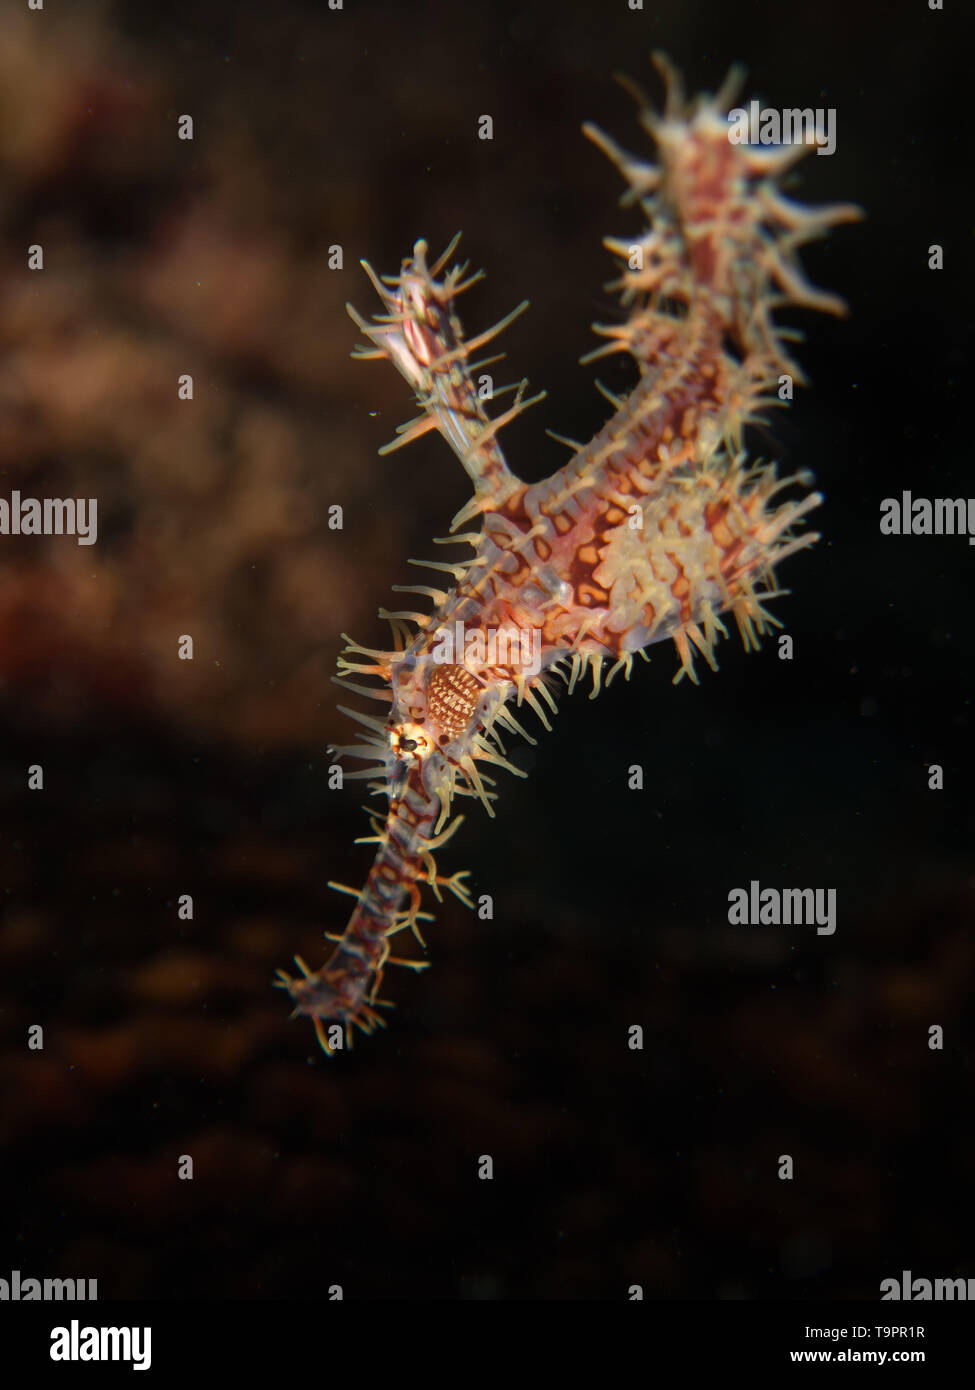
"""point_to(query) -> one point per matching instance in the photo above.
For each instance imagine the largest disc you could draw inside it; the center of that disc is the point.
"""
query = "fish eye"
(410, 741)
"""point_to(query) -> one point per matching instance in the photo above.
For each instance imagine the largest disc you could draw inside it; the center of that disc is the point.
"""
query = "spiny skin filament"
(653, 530)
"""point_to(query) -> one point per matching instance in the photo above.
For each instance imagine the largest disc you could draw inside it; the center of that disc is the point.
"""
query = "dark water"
(161, 778)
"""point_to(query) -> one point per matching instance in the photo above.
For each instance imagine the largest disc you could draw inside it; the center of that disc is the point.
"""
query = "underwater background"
(312, 128)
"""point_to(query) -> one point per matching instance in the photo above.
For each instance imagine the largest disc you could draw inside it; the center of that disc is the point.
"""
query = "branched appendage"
(652, 531)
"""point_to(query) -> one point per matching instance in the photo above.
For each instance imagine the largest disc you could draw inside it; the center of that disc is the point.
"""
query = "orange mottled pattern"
(652, 531)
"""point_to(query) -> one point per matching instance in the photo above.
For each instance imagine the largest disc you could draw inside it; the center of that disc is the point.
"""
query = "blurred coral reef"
(164, 257)
(165, 777)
